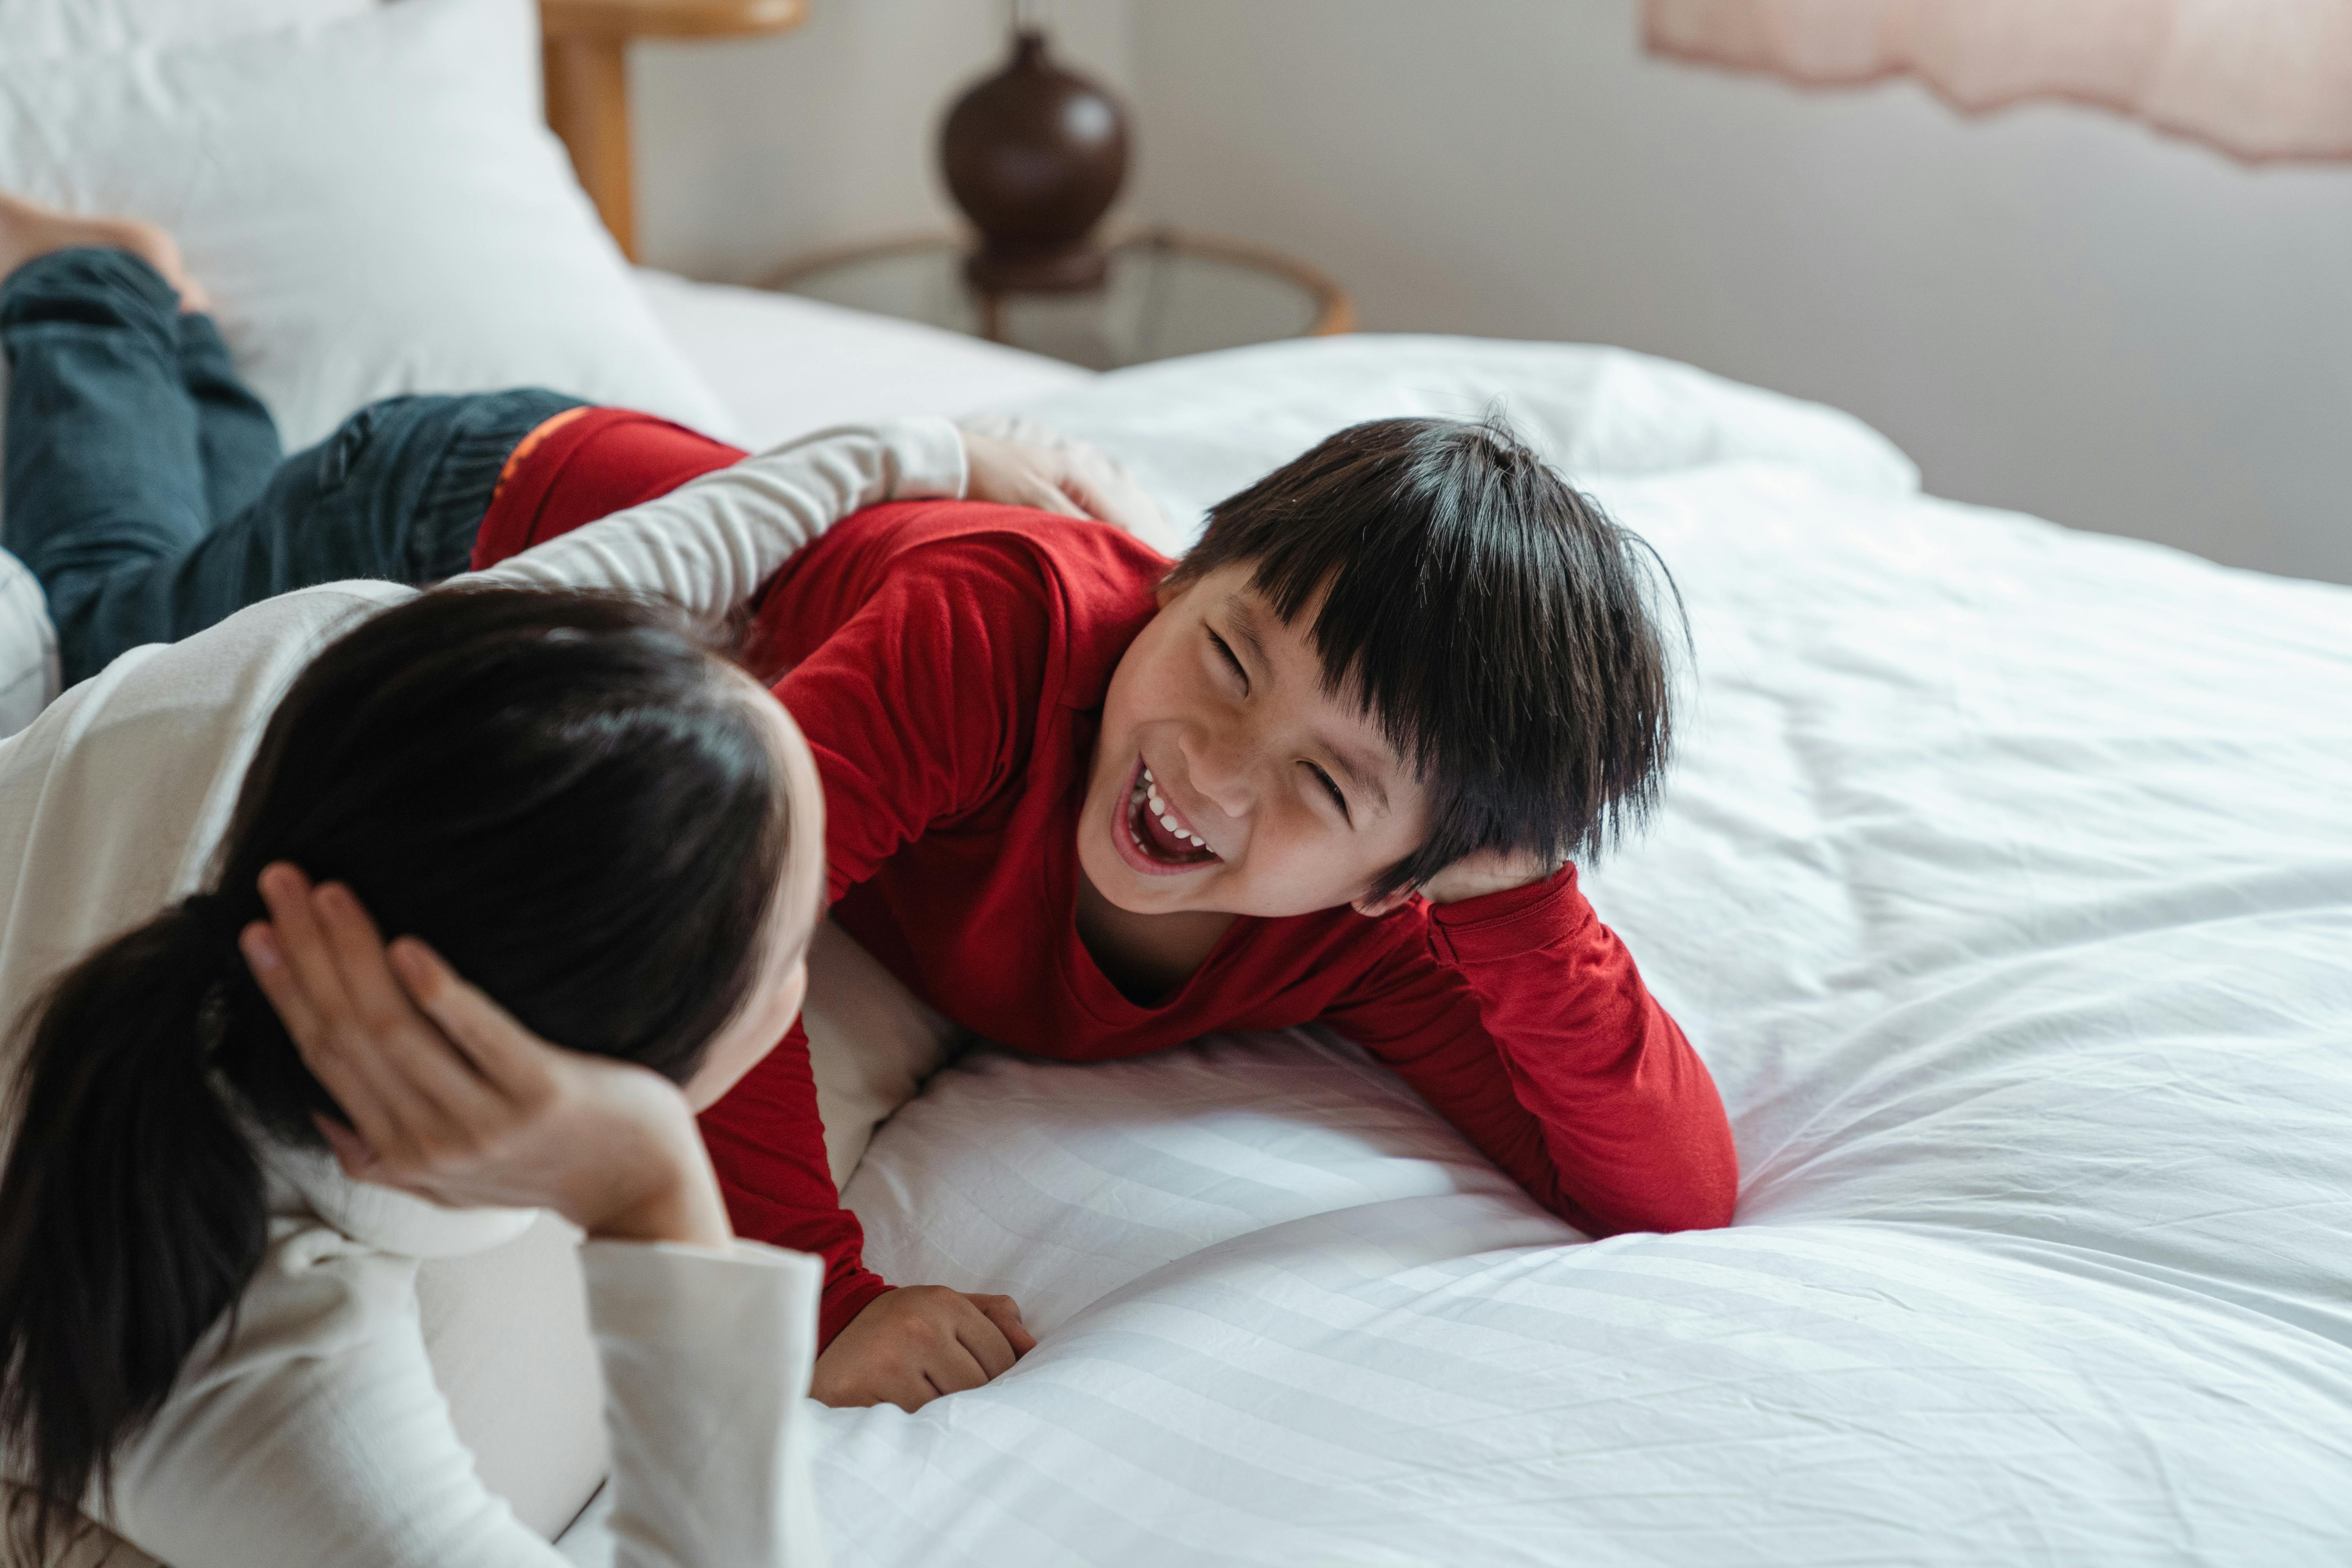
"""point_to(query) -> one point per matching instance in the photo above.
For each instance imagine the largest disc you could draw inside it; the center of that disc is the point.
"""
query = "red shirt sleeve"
(767, 1143)
(1523, 1021)
(920, 707)
(583, 464)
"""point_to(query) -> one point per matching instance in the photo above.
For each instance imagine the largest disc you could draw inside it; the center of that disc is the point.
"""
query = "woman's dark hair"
(1495, 622)
(561, 792)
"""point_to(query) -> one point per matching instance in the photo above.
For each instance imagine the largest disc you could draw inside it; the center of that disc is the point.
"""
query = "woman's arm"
(709, 543)
(706, 1357)
(318, 1439)
(309, 1430)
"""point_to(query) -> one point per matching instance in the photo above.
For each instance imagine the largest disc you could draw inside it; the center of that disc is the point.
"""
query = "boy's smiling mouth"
(1151, 835)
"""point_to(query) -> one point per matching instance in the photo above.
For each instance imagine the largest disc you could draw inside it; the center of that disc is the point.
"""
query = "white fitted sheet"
(2005, 884)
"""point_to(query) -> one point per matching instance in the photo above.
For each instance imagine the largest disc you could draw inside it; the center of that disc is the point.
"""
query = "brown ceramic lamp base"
(1035, 156)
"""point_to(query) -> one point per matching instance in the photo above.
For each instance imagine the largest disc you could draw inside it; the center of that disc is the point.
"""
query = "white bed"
(2006, 885)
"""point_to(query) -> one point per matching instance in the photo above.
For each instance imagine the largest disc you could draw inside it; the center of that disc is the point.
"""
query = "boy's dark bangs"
(1383, 652)
(1495, 624)
(1373, 631)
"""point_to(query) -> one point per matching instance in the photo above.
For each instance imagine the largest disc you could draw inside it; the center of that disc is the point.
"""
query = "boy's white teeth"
(1150, 798)
(1143, 796)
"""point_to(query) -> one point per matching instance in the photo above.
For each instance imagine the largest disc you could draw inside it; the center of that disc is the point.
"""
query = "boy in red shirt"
(1330, 768)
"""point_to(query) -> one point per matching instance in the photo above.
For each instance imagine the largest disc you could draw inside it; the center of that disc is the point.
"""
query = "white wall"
(2051, 308)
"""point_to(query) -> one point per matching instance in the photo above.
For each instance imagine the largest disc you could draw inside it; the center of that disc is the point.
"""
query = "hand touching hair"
(568, 795)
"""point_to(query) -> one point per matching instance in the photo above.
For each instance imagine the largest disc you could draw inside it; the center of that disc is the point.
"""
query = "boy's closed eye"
(1330, 787)
(1233, 661)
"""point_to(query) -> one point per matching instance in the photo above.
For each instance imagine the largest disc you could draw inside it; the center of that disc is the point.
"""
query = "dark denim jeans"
(144, 487)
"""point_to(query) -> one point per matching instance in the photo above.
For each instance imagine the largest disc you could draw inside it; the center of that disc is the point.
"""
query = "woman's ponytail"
(132, 1206)
(446, 758)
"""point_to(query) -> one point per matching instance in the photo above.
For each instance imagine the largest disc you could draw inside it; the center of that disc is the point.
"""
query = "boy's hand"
(1017, 461)
(908, 1347)
(1487, 871)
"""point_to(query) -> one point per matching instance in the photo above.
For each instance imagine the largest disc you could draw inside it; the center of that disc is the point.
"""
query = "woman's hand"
(448, 1097)
(914, 1343)
(1016, 461)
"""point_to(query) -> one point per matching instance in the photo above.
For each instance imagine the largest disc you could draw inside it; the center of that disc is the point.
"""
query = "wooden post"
(585, 56)
(588, 109)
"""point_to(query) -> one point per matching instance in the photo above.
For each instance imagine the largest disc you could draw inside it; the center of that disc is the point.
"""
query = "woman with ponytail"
(237, 1116)
(187, 1281)
(589, 827)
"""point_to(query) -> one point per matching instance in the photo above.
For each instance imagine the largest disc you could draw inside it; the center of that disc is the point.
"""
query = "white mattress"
(2006, 886)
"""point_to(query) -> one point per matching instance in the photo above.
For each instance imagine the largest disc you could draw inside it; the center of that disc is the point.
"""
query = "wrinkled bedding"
(2005, 883)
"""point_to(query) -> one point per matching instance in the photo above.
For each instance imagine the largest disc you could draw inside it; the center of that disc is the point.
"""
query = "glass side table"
(1169, 293)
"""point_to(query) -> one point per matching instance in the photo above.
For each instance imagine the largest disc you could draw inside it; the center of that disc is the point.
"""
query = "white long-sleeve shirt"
(319, 1438)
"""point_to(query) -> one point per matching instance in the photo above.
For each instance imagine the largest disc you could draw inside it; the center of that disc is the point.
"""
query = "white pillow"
(82, 27)
(1196, 429)
(28, 647)
(375, 203)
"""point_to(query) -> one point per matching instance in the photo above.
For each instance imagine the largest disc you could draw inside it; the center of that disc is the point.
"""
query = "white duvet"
(2005, 883)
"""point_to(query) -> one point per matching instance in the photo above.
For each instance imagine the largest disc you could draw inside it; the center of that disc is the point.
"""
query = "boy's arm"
(767, 1143)
(1523, 1020)
(920, 707)
(709, 543)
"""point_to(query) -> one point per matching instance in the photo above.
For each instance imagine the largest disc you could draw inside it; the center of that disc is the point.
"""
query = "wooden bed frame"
(585, 46)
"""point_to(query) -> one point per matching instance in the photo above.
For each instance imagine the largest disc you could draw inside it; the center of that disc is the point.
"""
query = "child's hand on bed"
(1016, 461)
(913, 1344)
(449, 1099)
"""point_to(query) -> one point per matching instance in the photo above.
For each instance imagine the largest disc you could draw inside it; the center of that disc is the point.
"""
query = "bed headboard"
(585, 44)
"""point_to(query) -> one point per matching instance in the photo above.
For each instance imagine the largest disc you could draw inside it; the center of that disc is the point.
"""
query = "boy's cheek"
(1275, 880)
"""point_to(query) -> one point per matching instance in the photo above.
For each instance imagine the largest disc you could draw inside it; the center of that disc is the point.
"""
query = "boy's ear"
(1388, 903)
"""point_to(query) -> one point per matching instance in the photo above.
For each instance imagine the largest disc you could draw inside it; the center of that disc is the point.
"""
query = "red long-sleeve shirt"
(948, 662)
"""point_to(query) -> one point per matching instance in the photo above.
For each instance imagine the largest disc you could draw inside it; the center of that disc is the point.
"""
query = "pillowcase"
(1196, 429)
(45, 28)
(873, 1044)
(28, 647)
(373, 201)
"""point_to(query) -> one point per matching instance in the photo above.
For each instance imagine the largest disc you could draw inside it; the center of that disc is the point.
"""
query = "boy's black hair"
(1499, 626)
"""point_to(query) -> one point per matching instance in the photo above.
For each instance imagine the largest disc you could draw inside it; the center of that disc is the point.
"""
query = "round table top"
(1167, 294)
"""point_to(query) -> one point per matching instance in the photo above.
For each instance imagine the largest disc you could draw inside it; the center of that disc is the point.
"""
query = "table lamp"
(1033, 155)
